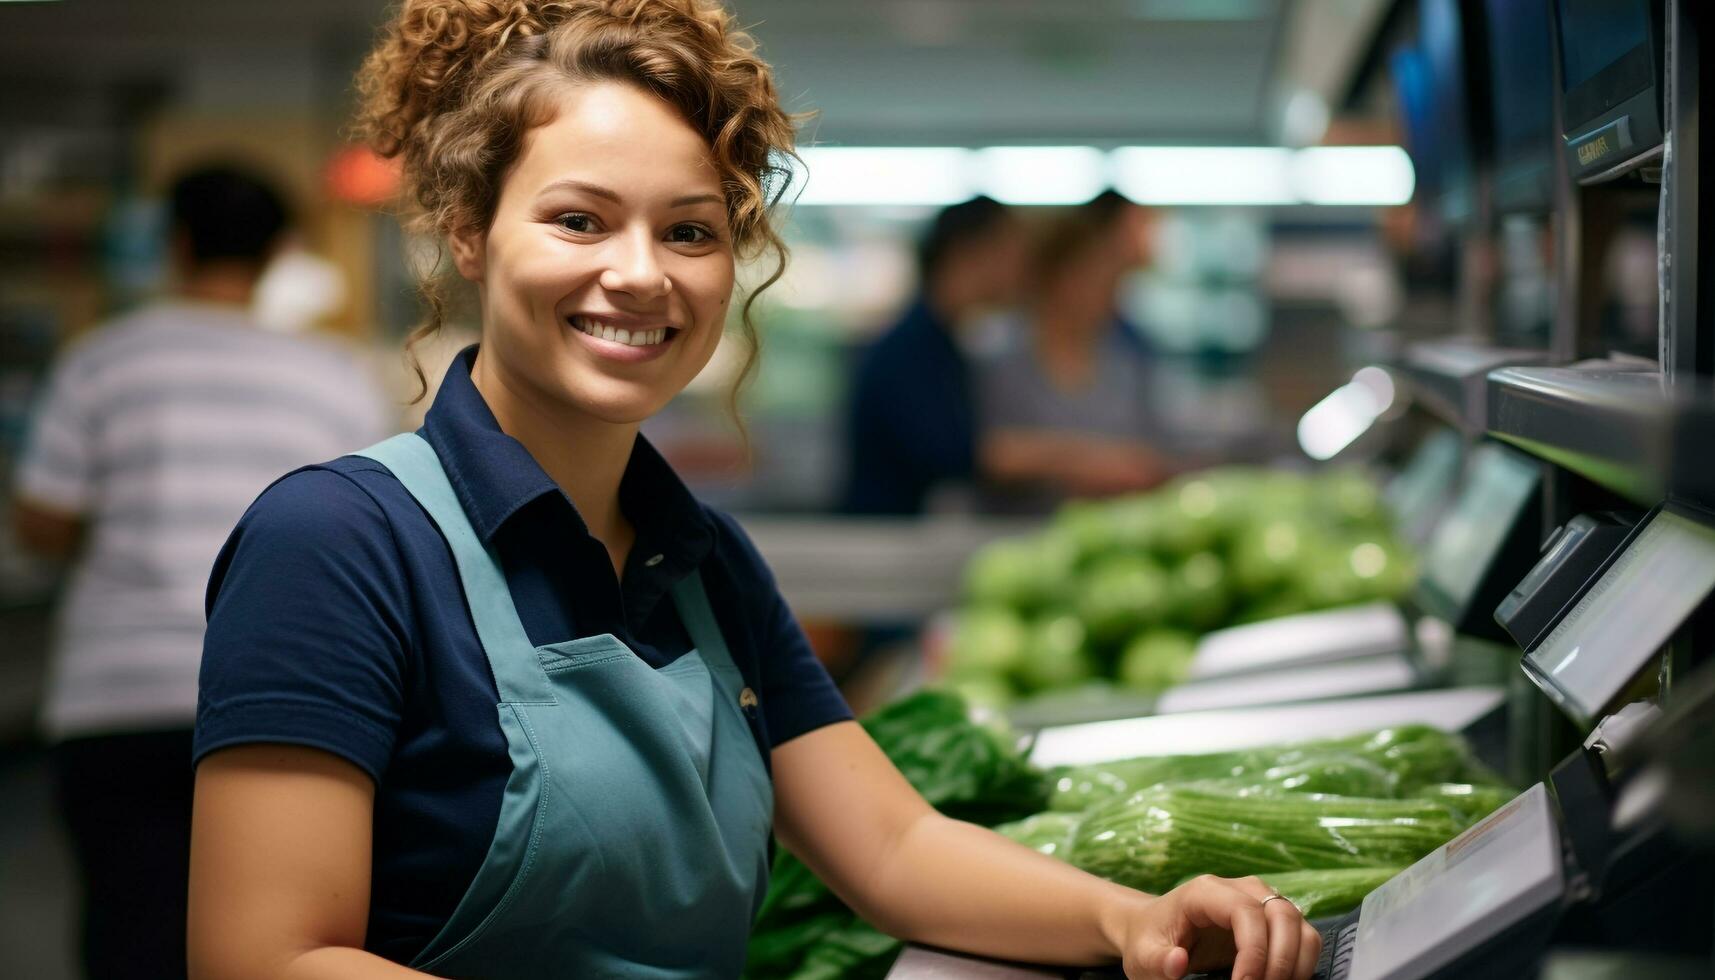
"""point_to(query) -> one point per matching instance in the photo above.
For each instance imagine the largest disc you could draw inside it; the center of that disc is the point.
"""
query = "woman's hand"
(1208, 923)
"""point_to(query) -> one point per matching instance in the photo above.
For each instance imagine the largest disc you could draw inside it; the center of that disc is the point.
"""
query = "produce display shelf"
(1449, 378)
(852, 569)
(1453, 709)
(1614, 423)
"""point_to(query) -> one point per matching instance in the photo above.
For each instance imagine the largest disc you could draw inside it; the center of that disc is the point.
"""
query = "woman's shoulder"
(339, 496)
(733, 549)
(344, 511)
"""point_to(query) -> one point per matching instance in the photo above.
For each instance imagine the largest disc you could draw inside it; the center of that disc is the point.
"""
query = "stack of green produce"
(1160, 836)
(965, 770)
(1120, 590)
(1391, 762)
(1324, 822)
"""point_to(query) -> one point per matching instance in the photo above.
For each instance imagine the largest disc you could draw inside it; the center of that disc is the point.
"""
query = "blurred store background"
(1306, 216)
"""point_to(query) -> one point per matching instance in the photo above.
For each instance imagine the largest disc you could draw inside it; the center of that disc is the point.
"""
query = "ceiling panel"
(877, 71)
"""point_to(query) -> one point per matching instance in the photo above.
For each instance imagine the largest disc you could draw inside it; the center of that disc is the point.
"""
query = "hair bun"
(428, 56)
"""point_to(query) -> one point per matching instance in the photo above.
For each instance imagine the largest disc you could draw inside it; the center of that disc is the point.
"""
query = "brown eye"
(576, 221)
(689, 235)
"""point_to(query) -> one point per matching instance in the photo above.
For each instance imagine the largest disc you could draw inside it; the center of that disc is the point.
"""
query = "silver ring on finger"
(1282, 898)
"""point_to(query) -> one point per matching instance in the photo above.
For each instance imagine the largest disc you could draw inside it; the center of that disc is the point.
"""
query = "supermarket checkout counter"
(1590, 857)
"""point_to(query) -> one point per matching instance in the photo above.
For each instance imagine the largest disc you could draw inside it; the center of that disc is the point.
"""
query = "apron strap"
(511, 656)
(700, 622)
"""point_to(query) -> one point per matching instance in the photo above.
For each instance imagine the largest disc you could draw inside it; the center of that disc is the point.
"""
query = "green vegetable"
(962, 768)
(988, 642)
(1050, 833)
(1194, 515)
(1414, 755)
(854, 951)
(1324, 893)
(965, 770)
(1208, 550)
(1201, 591)
(1157, 660)
(1336, 773)
(1055, 656)
(1163, 834)
(1121, 595)
(1471, 802)
(1347, 497)
(1023, 573)
(1267, 553)
(981, 691)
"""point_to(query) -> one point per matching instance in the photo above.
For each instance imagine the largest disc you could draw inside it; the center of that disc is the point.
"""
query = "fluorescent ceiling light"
(936, 176)
(1203, 174)
(886, 175)
(1353, 175)
(1041, 174)
(1196, 9)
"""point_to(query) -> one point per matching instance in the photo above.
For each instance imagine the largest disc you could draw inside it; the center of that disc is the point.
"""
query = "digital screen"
(1422, 488)
(1496, 489)
(1634, 608)
(1596, 33)
(1521, 79)
(1442, 40)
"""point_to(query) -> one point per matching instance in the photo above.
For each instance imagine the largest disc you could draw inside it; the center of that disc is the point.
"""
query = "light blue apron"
(633, 834)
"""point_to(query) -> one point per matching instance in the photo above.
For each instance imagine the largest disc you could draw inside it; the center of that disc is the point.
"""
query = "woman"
(363, 808)
(1063, 408)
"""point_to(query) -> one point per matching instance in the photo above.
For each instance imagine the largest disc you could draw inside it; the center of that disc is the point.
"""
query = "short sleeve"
(57, 468)
(797, 696)
(308, 629)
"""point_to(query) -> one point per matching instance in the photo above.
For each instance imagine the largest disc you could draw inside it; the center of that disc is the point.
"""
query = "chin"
(617, 403)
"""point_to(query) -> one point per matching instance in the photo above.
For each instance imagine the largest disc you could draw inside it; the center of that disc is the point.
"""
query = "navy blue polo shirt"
(912, 424)
(337, 620)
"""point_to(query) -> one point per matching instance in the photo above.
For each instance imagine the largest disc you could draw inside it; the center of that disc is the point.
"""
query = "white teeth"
(620, 335)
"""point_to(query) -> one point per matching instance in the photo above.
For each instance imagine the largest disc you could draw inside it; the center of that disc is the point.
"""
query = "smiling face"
(607, 271)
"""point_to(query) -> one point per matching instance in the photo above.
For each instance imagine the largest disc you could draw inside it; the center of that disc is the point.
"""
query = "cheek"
(706, 288)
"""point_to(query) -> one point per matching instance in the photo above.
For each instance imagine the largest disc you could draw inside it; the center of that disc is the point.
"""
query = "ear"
(469, 249)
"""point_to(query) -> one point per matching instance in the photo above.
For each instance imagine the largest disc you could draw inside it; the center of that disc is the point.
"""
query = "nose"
(634, 268)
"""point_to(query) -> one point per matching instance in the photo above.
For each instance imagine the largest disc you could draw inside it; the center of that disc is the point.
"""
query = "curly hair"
(453, 87)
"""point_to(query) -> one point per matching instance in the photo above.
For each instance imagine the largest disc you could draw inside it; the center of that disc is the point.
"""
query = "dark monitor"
(1485, 543)
(1521, 102)
(1442, 33)
(1612, 633)
(1610, 70)
(1421, 491)
(1414, 91)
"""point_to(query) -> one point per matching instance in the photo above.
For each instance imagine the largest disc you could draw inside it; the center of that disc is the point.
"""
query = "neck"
(585, 456)
(224, 284)
(947, 301)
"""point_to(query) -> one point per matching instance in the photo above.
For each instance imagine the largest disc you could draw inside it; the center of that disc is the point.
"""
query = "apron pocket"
(582, 652)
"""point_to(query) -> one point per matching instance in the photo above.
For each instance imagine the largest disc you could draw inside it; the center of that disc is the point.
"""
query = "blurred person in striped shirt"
(155, 433)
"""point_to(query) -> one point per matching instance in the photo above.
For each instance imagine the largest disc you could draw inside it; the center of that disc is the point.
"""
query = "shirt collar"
(494, 476)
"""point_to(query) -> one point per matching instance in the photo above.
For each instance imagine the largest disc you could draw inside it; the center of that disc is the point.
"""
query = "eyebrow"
(597, 190)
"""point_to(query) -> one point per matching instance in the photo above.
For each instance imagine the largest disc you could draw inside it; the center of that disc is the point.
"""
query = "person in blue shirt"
(499, 698)
(911, 424)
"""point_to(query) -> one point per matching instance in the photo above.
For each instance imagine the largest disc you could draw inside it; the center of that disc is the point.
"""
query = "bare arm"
(46, 531)
(280, 858)
(845, 810)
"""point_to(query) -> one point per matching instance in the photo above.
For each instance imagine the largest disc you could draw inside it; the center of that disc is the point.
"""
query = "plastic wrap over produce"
(1390, 762)
(1159, 836)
